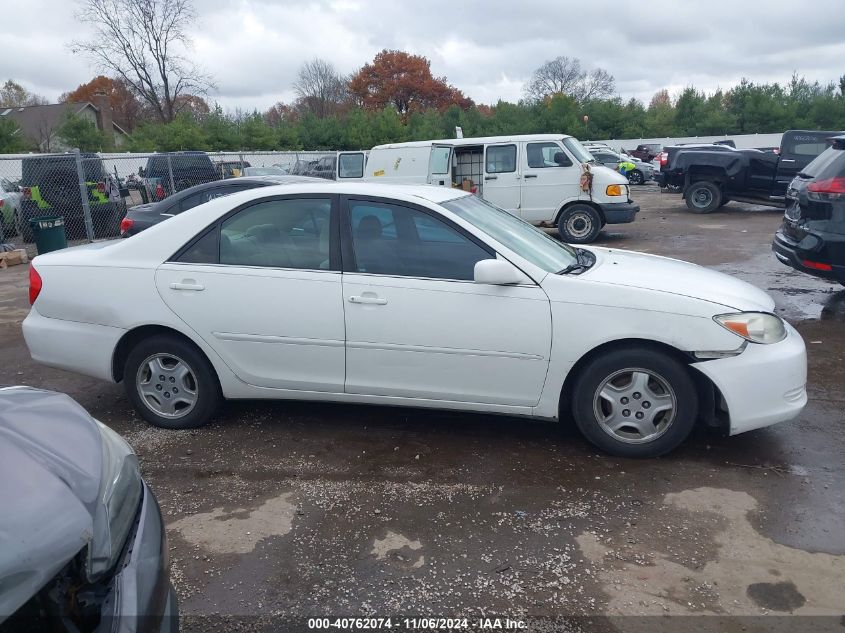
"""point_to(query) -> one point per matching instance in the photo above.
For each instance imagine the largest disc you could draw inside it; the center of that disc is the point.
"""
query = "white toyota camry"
(418, 296)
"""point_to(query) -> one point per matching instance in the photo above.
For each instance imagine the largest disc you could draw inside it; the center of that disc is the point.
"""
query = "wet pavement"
(300, 509)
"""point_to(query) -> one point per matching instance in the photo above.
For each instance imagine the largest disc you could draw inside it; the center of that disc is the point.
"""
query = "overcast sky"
(487, 48)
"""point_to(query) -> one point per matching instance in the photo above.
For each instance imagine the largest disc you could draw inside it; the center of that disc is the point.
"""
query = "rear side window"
(279, 234)
(350, 166)
(209, 194)
(501, 159)
(805, 144)
(203, 251)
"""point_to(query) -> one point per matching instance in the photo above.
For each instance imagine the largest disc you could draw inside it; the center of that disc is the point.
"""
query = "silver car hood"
(50, 463)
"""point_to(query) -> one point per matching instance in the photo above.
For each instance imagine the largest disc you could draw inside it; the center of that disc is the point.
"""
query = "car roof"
(481, 140)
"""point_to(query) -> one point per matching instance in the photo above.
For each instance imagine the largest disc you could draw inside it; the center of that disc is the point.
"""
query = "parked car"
(609, 158)
(144, 216)
(302, 167)
(84, 545)
(712, 175)
(339, 166)
(534, 176)
(812, 236)
(10, 207)
(49, 186)
(187, 169)
(264, 171)
(413, 296)
(645, 151)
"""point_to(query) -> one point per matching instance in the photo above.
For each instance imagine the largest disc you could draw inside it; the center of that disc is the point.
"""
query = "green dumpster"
(48, 233)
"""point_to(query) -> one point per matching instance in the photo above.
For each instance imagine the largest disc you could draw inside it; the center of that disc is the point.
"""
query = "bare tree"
(320, 88)
(143, 42)
(564, 75)
(14, 95)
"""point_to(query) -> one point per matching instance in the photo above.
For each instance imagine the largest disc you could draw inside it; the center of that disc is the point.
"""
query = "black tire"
(703, 197)
(635, 177)
(671, 427)
(579, 224)
(203, 380)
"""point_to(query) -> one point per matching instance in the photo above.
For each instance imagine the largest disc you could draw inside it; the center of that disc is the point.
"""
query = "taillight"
(663, 157)
(817, 265)
(101, 187)
(126, 224)
(2, 202)
(827, 189)
(159, 192)
(35, 284)
(27, 193)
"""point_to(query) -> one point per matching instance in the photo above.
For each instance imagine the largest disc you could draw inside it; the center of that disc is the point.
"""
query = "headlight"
(117, 502)
(616, 190)
(757, 327)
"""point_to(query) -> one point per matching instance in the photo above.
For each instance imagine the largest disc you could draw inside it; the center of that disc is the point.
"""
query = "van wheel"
(635, 402)
(171, 383)
(703, 197)
(636, 177)
(579, 224)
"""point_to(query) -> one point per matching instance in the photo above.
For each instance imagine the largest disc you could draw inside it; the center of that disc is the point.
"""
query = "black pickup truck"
(709, 176)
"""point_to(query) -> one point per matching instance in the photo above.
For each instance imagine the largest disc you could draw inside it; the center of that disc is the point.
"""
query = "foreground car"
(83, 542)
(812, 236)
(416, 296)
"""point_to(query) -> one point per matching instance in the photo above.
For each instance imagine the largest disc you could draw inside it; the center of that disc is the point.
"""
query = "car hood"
(663, 274)
(50, 463)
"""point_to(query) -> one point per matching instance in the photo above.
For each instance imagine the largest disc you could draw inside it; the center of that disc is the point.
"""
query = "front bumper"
(142, 599)
(619, 212)
(763, 385)
(812, 248)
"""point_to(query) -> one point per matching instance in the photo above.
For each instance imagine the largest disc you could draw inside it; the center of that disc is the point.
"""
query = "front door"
(417, 326)
(263, 289)
(501, 177)
(550, 177)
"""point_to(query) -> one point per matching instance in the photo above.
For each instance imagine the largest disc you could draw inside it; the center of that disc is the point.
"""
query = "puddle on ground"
(392, 545)
(746, 574)
(238, 531)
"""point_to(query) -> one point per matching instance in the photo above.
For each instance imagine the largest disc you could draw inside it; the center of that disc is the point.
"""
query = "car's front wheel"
(635, 402)
(579, 224)
(171, 383)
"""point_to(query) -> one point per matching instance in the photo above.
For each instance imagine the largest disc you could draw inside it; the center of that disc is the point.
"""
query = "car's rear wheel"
(636, 177)
(171, 383)
(635, 402)
(703, 197)
(579, 224)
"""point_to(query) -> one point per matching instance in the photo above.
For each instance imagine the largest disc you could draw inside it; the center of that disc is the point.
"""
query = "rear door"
(550, 177)
(350, 165)
(502, 179)
(440, 165)
(798, 149)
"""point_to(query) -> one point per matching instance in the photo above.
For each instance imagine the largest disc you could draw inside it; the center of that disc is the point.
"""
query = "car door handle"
(491, 177)
(186, 285)
(787, 160)
(530, 176)
(371, 299)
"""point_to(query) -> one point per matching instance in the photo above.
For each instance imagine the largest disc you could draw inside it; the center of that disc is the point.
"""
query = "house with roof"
(39, 124)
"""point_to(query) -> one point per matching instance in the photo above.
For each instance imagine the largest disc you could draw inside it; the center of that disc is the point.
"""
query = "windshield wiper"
(573, 268)
(583, 261)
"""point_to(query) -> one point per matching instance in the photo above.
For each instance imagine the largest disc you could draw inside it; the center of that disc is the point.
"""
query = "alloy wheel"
(167, 385)
(635, 405)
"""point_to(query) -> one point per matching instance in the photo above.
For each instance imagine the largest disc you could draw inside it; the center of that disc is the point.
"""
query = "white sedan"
(415, 296)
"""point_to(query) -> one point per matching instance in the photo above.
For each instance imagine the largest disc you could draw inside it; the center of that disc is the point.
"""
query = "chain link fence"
(92, 192)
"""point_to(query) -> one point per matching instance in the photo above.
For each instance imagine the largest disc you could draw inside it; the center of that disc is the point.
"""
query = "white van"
(535, 176)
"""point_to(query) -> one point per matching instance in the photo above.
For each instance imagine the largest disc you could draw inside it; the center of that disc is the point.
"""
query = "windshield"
(523, 239)
(577, 150)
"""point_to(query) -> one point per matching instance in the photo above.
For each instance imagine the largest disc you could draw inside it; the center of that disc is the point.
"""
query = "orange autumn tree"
(126, 109)
(404, 81)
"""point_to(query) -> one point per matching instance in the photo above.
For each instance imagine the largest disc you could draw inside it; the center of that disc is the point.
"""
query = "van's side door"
(501, 176)
(440, 165)
(350, 165)
(550, 177)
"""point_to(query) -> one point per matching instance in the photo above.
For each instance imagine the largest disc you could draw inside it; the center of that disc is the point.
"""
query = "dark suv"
(812, 236)
(189, 169)
(50, 187)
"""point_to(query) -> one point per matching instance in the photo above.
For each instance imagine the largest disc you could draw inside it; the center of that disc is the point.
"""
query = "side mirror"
(497, 272)
(561, 160)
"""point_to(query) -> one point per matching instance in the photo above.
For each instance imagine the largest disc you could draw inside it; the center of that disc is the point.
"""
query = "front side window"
(440, 159)
(292, 233)
(540, 155)
(501, 159)
(390, 239)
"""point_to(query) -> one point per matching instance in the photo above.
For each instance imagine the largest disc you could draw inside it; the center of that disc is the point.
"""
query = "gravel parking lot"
(284, 510)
